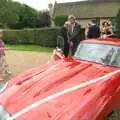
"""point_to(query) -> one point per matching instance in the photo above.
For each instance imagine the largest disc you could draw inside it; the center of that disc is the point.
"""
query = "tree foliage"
(17, 16)
(8, 12)
(118, 24)
(43, 19)
(60, 20)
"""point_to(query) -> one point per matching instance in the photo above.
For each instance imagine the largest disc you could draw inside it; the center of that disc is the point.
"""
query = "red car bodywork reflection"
(92, 102)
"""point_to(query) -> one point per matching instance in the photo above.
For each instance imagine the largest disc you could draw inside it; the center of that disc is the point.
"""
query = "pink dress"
(2, 51)
(3, 64)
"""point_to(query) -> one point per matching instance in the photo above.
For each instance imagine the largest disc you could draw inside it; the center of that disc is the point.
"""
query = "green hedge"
(46, 37)
(43, 37)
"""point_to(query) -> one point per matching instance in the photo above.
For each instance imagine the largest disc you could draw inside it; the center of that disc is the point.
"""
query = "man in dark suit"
(71, 33)
(93, 31)
(74, 34)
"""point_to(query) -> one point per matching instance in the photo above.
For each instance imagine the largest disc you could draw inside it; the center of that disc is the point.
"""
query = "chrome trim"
(4, 87)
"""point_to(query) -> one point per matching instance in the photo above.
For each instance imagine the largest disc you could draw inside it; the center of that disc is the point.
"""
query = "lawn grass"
(29, 48)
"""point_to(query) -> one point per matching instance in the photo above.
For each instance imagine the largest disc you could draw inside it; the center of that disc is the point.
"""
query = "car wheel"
(114, 115)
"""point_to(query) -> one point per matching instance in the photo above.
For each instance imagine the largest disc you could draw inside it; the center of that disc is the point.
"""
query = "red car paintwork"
(93, 102)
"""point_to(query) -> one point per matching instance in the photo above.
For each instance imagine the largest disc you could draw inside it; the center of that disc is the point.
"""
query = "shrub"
(60, 20)
(43, 37)
(46, 37)
(118, 24)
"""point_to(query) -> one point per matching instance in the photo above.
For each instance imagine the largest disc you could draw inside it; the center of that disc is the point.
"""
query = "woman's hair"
(106, 22)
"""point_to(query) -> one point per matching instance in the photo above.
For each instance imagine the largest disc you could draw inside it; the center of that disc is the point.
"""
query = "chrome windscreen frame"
(3, 87)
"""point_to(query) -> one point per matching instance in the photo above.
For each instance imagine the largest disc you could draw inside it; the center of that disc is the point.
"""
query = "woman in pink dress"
(3, 65)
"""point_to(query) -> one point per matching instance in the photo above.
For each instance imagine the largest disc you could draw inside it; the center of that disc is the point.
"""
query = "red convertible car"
(84, 87)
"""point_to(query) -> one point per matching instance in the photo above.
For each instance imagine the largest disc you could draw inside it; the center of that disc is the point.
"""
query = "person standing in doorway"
(106, 29)
(94, 30)
(87, 29)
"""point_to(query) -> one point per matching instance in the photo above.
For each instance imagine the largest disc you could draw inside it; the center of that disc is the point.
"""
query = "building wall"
(88, 9)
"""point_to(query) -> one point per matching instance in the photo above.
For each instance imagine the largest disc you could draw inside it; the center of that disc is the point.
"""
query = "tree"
(8, 12)
(43, 19)
(18, 16)
(26, 16)
(60, 20)
(118, 24)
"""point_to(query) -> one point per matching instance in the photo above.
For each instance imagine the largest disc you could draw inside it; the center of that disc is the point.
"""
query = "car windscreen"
(101, 53)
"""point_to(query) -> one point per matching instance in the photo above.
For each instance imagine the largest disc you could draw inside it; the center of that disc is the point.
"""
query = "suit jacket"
(69, 35)
(93, 32)
(74, 36)
(63, 34)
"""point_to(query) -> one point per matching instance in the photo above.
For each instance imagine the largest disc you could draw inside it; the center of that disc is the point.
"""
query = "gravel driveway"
(20, 61)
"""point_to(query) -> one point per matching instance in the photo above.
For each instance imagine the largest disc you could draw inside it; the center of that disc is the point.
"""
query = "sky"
(42, 4)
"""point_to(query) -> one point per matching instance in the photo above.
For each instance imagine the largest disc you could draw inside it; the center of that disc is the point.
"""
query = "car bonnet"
(56, 78)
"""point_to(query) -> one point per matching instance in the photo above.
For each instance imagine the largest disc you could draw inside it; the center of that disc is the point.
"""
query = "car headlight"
(3, 86)
(4, 115)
